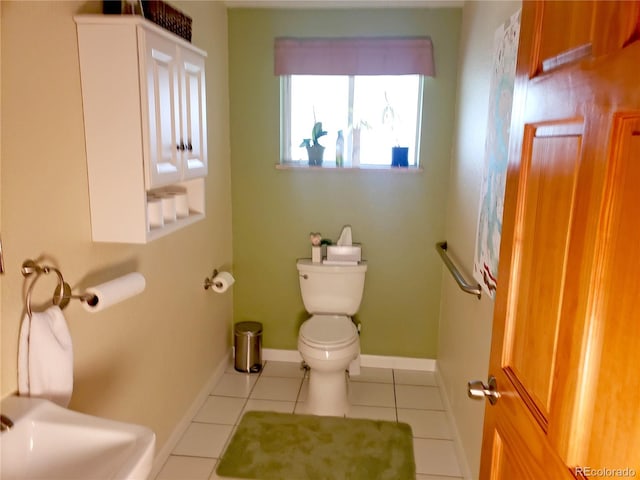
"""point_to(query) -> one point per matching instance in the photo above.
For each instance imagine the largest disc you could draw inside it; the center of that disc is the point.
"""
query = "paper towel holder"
(208, 282)
(62, 294)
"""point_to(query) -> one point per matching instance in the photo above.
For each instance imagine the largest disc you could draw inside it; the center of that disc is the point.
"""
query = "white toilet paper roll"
(168, 207)
(154, 212)
(222, 282)
(182, 205)
(114, 291)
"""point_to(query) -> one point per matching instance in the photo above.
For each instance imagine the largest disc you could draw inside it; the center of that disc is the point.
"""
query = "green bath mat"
(280, 446)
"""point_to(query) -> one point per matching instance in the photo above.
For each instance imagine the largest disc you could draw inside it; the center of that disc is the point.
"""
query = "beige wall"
(146, 359)
(465, 322)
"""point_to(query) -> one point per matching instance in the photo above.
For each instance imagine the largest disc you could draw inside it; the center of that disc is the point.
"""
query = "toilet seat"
(328, 332)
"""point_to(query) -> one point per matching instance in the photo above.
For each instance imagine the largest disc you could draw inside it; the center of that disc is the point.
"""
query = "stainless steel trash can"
(248, 347)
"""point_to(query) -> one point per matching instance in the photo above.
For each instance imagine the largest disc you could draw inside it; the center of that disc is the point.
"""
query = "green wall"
(397, 217)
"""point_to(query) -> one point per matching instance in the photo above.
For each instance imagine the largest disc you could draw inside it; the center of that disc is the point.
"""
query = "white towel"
(45, 357)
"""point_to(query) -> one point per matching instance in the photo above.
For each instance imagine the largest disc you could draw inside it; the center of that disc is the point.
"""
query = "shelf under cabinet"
(158, 232)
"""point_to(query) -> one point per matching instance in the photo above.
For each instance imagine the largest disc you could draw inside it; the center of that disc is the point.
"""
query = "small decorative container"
(400, 156)
(167, 17)
(157, 11)
(316, 254)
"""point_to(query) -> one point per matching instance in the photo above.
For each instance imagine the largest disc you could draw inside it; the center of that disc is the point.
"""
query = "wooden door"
(566, 334)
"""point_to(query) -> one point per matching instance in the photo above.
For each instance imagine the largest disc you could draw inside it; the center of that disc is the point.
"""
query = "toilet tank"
(333, 289)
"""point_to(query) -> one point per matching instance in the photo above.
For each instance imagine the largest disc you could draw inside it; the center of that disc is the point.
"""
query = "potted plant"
(314, 149)
(399, 155)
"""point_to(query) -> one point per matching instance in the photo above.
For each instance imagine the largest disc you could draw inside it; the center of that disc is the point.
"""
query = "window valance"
(354, 56)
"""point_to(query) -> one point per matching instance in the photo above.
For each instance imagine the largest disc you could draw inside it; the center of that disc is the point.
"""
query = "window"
(375, 114)
(368, 88)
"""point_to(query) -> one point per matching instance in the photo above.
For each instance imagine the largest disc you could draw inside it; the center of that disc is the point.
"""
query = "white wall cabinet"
(174, 94)
(144, 104)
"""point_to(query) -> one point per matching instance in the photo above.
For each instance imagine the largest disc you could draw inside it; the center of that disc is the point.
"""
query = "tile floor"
(378, 393)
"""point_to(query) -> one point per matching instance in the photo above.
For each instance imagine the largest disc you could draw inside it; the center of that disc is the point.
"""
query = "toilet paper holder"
(220, 281)
(209, 282)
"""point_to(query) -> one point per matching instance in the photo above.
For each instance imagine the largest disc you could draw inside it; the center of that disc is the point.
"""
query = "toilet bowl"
(329, 342)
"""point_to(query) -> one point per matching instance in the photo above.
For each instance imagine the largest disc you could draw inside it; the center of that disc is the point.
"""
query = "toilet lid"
(328, 330)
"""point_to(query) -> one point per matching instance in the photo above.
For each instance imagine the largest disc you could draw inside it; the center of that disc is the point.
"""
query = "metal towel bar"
(441, 247)
(62, 294)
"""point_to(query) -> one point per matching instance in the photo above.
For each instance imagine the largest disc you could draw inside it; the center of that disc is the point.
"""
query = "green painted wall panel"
(397, 217)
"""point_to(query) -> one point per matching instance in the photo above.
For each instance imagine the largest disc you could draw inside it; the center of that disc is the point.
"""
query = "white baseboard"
(462, 457)
(379, 361)
(402, 363)
(161, 456)
(281, 355)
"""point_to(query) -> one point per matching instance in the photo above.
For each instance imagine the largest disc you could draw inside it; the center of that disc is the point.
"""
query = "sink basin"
(51, 442)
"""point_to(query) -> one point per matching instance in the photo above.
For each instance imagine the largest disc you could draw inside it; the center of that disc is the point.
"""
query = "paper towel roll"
(114, 291)
(222, 282)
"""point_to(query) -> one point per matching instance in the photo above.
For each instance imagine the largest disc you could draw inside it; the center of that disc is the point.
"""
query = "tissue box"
(344, 253)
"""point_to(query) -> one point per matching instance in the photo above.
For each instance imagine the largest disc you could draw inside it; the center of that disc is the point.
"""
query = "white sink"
(51, 442)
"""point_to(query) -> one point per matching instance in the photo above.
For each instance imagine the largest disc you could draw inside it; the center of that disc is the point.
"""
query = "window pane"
(387, 108)
(326, 96)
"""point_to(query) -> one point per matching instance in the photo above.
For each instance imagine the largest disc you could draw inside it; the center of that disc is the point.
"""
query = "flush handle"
(5, 423)
(478, 390)
(304, 275)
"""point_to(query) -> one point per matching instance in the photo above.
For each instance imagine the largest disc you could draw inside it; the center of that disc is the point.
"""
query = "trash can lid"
(251, 328)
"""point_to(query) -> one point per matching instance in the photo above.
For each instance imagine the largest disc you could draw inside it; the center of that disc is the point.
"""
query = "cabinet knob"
(180, 147)
(189, 146)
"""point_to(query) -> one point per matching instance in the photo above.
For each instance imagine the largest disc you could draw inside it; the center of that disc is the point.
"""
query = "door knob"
(476, 389)
(1, 258)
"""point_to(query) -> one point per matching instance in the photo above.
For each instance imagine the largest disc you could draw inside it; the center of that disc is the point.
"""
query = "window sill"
(332, 168)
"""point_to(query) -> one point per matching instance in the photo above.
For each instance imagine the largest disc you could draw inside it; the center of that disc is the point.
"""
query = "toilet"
(328, 341)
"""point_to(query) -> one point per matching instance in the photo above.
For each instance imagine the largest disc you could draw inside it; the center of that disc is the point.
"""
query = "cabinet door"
(194, 115)
(161, 103)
